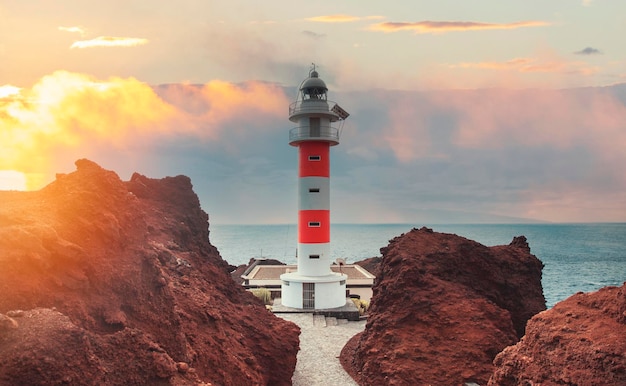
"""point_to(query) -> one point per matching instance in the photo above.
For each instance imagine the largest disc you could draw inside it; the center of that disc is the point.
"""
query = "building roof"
(273, 272)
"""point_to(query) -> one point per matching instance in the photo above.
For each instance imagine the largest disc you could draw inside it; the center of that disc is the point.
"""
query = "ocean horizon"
(577, 257)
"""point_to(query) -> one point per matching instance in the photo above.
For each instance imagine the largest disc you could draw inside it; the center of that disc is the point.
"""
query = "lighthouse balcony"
(313, 107)
(324, 133)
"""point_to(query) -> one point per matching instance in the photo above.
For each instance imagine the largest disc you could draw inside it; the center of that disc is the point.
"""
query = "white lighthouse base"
(313, 292)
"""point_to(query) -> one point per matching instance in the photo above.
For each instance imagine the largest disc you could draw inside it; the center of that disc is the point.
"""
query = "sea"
(576, 257)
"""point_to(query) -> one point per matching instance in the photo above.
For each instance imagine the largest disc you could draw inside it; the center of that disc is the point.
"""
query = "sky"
(481, 111)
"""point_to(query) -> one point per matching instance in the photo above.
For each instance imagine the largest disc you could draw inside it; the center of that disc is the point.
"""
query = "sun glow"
(8, 91)
(67, 116)
(12, 180)
(68, 113)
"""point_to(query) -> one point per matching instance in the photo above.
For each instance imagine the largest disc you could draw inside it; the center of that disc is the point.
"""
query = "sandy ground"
(321, 341)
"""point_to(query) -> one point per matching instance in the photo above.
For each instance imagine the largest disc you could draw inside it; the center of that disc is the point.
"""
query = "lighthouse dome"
(314, 86)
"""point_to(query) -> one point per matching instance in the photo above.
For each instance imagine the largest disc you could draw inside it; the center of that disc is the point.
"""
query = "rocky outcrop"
(580, 341)
(443, 307)
(112, 282)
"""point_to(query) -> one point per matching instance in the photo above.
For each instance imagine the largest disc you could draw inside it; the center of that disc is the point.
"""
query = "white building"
(359, 281)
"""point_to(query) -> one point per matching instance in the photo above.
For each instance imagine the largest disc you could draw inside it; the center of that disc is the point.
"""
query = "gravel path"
(321, 341)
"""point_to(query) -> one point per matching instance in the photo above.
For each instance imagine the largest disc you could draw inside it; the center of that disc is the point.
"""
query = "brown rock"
(182, 367)
(7, 323)
(580, 341)
(131, 271)
(443, 308)
(48, 348)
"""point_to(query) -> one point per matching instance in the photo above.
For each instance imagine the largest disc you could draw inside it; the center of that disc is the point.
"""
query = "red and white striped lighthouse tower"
(314, 285)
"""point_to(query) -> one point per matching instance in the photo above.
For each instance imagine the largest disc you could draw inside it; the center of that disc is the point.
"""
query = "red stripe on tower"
(314, 159)
(314, 226)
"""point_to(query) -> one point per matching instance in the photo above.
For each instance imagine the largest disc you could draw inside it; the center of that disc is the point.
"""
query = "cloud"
(66, 112)
(340, 18)
(588, 51)
(217, 105)
(240, 52)
(449, 26)
(78, 30)
(109, 41)
(313, 35)
(552, 155)
(531, 65)
(8, 91)
(517, 63)
(66, 116)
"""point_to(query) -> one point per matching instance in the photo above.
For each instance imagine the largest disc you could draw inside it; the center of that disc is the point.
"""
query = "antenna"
(341, 113)
(340, 262)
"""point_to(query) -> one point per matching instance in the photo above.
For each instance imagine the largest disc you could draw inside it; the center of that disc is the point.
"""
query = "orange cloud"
(70, 115)
(109, 41)
(79, 30)
(207, 110)
(340, 18)
(70, 111)
(449, 26)
(516, 63)
(529, 65)
(229, 100)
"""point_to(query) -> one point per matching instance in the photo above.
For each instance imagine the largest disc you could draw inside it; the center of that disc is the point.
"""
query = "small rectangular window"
(343, 282)
(286, 283)
(315, 158)
(314, 256)
(314, 224)
(314, 190)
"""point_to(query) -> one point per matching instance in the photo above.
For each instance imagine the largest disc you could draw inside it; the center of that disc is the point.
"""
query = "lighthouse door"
(315, 129)
(308, 295)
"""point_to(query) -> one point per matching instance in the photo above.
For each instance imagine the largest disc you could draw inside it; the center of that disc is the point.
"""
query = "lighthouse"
(314, 285)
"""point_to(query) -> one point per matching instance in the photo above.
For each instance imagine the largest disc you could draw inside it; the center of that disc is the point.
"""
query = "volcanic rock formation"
(112, 282)
(580, 341)
(443, 307)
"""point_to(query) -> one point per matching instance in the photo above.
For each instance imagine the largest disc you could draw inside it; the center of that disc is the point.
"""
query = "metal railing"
(326, 133)
(311, 105)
